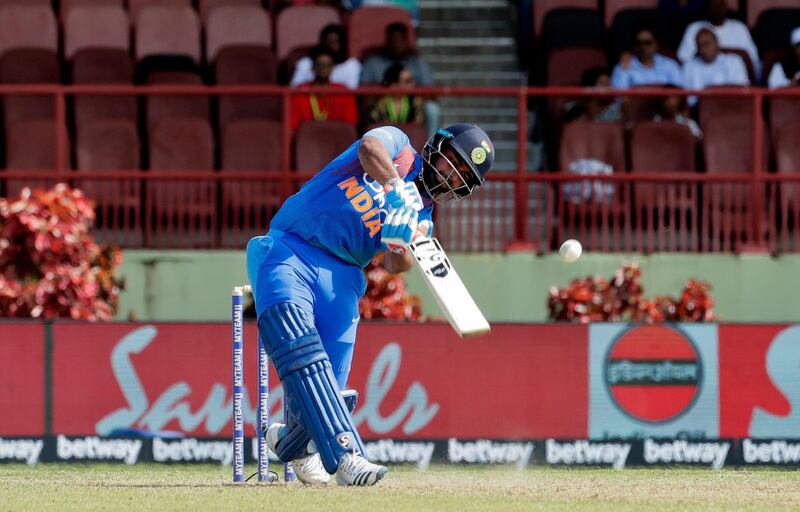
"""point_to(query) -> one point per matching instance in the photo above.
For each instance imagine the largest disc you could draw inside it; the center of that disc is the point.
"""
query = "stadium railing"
(520, 209)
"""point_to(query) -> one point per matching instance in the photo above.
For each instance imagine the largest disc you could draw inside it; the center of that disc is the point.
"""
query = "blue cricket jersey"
(341, 209)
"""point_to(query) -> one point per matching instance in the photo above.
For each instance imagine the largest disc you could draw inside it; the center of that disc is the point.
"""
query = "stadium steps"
(471, 43)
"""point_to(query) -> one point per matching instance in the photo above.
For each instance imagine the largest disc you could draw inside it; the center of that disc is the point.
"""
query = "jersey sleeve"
(393, 139)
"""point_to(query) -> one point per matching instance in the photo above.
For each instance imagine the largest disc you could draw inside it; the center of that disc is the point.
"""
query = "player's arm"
(376, 160)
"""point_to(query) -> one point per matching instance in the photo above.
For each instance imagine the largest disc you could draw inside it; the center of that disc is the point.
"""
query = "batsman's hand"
(399, 228)
(400, 194)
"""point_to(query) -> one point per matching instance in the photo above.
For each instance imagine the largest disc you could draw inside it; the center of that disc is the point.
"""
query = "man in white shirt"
(786, 72)
(730, 33)
(712, 67)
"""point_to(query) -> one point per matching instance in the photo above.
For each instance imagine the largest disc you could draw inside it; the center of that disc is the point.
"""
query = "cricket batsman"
(307, 277)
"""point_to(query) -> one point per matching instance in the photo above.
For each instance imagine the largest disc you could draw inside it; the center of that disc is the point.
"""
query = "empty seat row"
(666, 146)
(175, 27)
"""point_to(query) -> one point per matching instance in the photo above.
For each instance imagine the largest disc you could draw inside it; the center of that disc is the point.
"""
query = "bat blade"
(446, 286)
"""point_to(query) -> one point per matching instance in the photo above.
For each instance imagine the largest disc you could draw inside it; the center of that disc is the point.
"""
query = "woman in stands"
(398, 107)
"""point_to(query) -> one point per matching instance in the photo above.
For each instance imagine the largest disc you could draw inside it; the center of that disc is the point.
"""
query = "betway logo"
(95, 448)
(777, 452)
(22, 450)
(587, 452)
(686, 452)
(192, 450)
(489, 452)
(388, 450)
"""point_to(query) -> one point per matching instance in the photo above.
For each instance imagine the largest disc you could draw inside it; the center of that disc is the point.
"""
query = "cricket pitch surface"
(446, 488)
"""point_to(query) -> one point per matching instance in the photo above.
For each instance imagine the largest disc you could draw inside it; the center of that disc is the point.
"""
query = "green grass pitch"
(446, 488)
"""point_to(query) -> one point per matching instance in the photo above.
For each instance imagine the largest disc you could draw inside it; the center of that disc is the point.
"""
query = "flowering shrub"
(621, 299)
(386, 296)
(50, 266)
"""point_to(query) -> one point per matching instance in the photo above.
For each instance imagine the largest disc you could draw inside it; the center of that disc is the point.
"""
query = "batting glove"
(399, 193)
(399, 227)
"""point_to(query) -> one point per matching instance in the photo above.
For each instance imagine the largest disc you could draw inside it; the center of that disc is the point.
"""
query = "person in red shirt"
(322, 107)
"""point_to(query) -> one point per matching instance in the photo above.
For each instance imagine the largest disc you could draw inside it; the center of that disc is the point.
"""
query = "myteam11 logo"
(653, 380)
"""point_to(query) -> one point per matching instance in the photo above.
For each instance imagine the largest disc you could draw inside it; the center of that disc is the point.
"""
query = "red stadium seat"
(168, 30)
(591, 139)
(782, 111)
(28, 66)
(316, 143)
(299, 26)
(111, 145)
(542, 7)
(179, 212)
(92, 27)
(31, 146)
(27, 26)
(614, 7)
(103, 66)
(241, 65)
(663, 147)
(739, 108)
(247, 205)
(67, 5)
(592, 206)
(787, 147)
(728, 145)
(416, 133)
(107, 145)
(252, 145)
(236, 26)
(368, 28)
(175, 106)
(136, 6)
(46, 3)
(97, 42)
(566, 65)
(181, 144)
(207, 6)
(787, 157)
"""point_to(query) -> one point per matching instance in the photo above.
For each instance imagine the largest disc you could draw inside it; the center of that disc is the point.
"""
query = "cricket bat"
(450, 292)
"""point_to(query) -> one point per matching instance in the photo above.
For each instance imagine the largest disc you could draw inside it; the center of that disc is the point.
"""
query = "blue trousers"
(284, 268)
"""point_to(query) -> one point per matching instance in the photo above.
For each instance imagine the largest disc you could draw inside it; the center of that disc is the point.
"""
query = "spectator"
(400, 107)
(712, 67)
(346, 71)
(398, 49)
(645, 66)
(676, 109)
(314, 107)
(595, 108)
(730, 33)
(786, 72)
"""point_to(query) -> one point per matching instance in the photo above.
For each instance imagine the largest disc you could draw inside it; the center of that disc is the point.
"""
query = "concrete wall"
(196, 285)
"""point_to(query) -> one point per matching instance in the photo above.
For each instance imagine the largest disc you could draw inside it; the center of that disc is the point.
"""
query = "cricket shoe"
(356, 470)
(309, 469)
